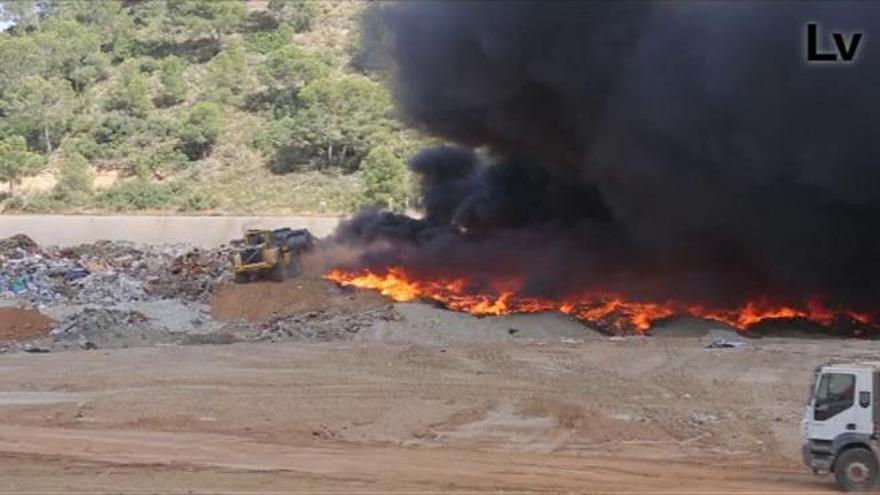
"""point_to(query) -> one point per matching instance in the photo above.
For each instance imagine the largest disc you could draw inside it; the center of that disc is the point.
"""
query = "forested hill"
(225, 106)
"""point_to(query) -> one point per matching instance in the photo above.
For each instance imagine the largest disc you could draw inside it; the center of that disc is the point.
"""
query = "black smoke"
(661, 150)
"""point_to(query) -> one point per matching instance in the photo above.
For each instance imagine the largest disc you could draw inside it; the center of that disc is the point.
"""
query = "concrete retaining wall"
(67, 230)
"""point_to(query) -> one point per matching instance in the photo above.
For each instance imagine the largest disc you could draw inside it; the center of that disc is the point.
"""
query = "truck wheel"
(856, 470)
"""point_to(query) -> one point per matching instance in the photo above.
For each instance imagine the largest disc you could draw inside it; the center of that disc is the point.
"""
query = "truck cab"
(841, 424)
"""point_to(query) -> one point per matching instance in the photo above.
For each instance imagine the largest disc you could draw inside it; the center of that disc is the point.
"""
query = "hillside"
(223, 106)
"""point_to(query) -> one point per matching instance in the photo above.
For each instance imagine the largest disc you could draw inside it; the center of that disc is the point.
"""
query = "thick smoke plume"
(659, 150)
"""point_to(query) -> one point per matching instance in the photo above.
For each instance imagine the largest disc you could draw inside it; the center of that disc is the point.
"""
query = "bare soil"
(548, 415)
(262, 300)
(411, 399)
(21, 324)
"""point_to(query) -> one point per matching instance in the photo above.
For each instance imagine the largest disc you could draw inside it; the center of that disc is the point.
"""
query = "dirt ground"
(262, 300)
(418, 405)
(18, 323)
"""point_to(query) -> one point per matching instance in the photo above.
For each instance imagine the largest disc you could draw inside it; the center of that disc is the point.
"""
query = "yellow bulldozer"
(271, 254)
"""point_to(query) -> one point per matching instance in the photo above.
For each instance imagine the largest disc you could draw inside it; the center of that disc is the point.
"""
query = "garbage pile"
(107, 295)
(99, 328)
(107, 272)
(192, 276)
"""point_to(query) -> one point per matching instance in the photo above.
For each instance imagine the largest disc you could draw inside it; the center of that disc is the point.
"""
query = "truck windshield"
(835, 394)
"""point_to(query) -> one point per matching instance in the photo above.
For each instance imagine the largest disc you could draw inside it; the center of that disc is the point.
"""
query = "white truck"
(841, 424)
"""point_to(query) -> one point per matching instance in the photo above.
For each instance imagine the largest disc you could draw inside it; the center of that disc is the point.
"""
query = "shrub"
(138, 194)
(39, 203)
(200, 201)
(16, 162)
(292, 67)
(228, 75)
(200, 131)
(268, 41)
(173, 84)
(299, 14)
(157, 161)
(131, 95)
(74, 180)
(13, 203)
(86, 146)
(115, 128)
(385, 179)
(273, 135)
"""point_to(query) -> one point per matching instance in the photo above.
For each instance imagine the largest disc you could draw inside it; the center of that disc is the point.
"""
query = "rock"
(703, 419)
(318, 325)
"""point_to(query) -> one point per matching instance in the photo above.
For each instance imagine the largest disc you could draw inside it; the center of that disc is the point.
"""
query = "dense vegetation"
(195, 105)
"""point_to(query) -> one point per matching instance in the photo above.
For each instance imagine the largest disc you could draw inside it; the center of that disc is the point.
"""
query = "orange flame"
(610, 310)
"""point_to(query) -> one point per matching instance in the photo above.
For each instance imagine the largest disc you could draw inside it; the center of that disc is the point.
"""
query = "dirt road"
(624, 415)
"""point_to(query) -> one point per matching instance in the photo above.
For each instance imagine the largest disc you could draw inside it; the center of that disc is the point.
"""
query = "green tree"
(131, 95)
(284, 72)
(173, 84)
(228, 74)
(105, 18)
(39, 109)
(200, 131)
(385, 179)
(94, 68)
(74, 178)
(115, 128)
(292, 67)
(67, 47)
(299, 14)
(16, 162)
(211, 18)
(341, 118)
(149, 21)
(19, 58)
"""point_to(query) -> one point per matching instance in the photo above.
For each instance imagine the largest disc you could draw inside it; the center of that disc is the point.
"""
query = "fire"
(608, 310)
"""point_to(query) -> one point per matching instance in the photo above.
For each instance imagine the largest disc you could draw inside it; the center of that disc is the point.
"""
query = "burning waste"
(628, 162)
(610, 312)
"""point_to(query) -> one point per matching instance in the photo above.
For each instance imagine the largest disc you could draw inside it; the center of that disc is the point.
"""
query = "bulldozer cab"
(255, 237)
(271, 254)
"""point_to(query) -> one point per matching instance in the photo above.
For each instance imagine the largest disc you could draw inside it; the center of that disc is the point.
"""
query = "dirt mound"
(426, 324)
(264, 300)
(20, 324)
(10, 245)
